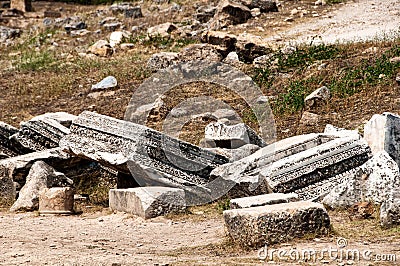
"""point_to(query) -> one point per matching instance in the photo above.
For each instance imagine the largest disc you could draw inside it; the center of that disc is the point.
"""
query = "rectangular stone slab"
(299, 171)
(164, 159)
(271, 224)
(262, 200)
(147, 202)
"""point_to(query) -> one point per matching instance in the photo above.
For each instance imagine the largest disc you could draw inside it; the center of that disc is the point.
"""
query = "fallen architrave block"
(314, 172)
(262, 200)
(63, 118)
(231, 137)
(153, 156)
(56, 200)
(6, 148)
(266, 225)
(243, 176)
(38, 135)
(148, 202)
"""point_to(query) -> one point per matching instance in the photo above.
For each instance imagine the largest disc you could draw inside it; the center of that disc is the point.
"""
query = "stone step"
(271, 224)
(148, 202)
(262, 200)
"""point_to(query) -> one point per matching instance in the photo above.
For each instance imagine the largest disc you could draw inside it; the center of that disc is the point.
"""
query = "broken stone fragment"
(63, 118)
(376, 181)
(7, 33)
(243, 176)
(314, 172)
(127, 9)
(22, 5)
(200, 52)
(40, 176)
(231, 137)
(230, 13)
(56, 200)
(271, 224)
(106, 83)
(148, 202)
(341, 132)
(162, 30)
(101, 48)
(238, 153)
(317, 98)
(390, 213)
(382, 132)
(262, 200)
(38, 135)
(309, 119)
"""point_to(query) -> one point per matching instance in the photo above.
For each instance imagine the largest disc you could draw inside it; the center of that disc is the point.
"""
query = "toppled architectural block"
(376, 181)
(231, 137)
(382, 132)
(154, 158)
(148, 202)
(56, 200)
(40, 176)
(243, 176)
(317, 98)
(265, 225)
(63, 118)
(262, 200)
(38, 135)
(314, 172)
(127, 9)
(263, 5)
(6, 148)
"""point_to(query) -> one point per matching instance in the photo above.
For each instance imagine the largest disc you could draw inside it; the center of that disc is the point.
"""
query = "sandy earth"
(355, 21)
(120, 239)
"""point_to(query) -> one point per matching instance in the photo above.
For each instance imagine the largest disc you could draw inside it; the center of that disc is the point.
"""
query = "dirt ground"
(104, 238)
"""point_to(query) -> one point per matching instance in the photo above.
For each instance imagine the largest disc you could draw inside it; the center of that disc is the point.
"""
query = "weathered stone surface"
(63, 118)
(376, 181)
(17, 168)
(127, 9)
(230, 13)
(162, 60)
(265, 225)
(263, 5)
(118, 37)
(390, 213)
(40, 176)
(200, 52)
(309, 119)
(6, 148)
(263, 200)
(148, 202)
(341, 132)
(314, 172)
(238, 153)
(101, 48)
(162, 30)
(38, 135)
(56, 200)
(205, 13)
(154, 157)
(317, 98)
(231, 137)
(244, 177)
(22, 5)
(382, 132)
(106, 83)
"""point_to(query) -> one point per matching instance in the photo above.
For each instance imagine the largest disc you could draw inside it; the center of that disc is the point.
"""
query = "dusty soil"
(198, 238)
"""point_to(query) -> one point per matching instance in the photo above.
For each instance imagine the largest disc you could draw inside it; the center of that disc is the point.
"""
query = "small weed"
(223, 205)
(34, 61)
